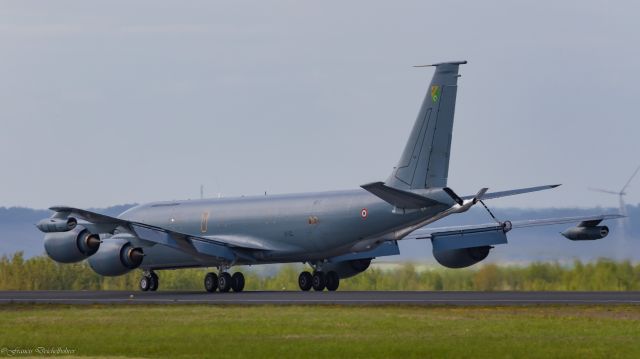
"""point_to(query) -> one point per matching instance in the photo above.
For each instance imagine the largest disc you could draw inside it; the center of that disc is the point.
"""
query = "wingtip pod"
(52, 225)
(585, 233)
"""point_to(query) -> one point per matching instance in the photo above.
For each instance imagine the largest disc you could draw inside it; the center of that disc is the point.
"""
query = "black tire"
(332, 281)
(155, 282)
(237, 282)
(224, 282)
(145, 283)
(211, 282)
(318, 281)
(304, 281)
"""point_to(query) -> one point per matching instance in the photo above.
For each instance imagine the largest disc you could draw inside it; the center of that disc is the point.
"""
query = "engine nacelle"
(586, 233)
(52, 225)
(347, 269)
(71, 246)
(116, 256)
(463, 257)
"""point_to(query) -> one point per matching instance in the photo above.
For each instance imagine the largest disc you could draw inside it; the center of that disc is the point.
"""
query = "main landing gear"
(149, 281)
(319, 281)
(224, 282)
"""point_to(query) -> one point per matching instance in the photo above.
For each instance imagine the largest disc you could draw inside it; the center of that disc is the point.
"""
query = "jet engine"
(347, 269)
(71, 246)
(116, 256)
(586, 233)
(462, 257)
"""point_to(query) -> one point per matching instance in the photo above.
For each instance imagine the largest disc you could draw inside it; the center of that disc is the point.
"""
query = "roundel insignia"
(364, 213)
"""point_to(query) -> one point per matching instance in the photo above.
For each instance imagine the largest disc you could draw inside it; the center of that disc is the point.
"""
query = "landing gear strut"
(149, 281)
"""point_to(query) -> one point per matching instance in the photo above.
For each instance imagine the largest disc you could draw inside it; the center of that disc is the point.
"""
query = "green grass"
(326, 331)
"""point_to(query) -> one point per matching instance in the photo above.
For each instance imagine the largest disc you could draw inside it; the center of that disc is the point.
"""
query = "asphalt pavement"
(322, 298)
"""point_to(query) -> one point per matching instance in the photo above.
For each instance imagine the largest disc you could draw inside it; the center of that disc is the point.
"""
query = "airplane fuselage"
(292, 228)
(337, 233)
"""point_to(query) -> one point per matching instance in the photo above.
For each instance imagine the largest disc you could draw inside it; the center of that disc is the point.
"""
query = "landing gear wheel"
(154, 282)
(224, 282)
(145, 283)
(237, 282)
(304, 281)
(211, 282)
(332, 281)
(318, 281)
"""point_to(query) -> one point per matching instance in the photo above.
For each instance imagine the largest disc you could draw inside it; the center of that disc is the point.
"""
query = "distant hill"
(18, 233)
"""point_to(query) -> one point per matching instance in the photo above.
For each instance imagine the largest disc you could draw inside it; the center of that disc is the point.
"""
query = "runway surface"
(330, 298)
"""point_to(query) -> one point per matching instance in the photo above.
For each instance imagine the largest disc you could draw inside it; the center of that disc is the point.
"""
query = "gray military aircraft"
(336, 233)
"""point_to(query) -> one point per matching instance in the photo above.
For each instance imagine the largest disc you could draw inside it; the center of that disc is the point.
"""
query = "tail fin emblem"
(435, 93)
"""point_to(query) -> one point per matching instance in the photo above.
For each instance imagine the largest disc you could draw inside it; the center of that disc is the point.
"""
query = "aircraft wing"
(583, 221)
(199, 246)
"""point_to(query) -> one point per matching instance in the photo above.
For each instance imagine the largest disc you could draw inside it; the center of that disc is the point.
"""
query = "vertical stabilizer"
(425, 160)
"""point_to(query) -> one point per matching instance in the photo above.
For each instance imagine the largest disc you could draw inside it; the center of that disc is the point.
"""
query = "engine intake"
(461, 258)
(52, 225)
(116, 256)
(71, 246)
(586, 233)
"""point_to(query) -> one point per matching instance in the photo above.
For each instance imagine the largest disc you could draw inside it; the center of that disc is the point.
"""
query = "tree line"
(42, 273)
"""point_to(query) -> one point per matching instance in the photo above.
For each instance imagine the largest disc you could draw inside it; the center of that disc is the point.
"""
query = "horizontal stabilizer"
(512, 192)
(399, 198)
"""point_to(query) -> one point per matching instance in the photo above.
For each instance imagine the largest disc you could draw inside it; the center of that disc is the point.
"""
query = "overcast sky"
(113, 102)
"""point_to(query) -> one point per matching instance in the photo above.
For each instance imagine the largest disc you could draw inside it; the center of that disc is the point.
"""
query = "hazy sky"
(108, 102)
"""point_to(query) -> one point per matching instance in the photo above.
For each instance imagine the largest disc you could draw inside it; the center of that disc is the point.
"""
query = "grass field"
(324, 331)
